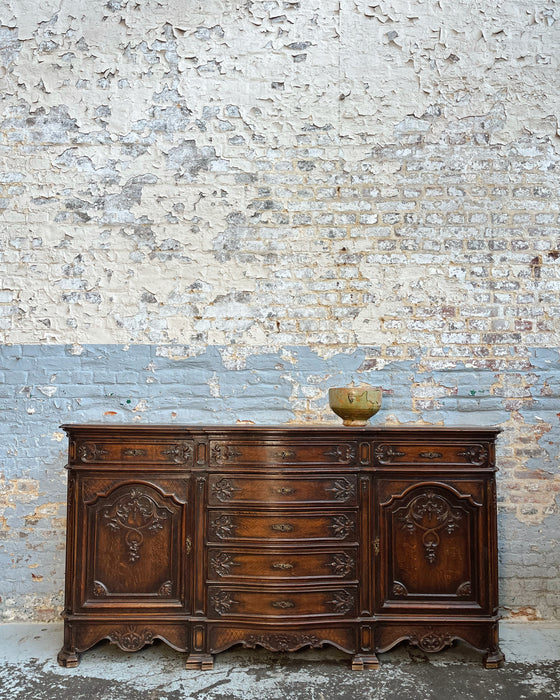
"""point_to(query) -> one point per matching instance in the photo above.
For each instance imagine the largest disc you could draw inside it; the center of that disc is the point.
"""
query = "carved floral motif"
(387, 453)
(179, 453)
(399, 590)
(222, 563)
(224, 453)
(223, 527)
(222, 601)
(342, 453)
(475, 454)
(342, 526)
(130, 639)
(137, 514)
(431, 513)
(342, 489)
(342, 564)
(432, 641)
(342, 602)
(91, 452)
(224, 489)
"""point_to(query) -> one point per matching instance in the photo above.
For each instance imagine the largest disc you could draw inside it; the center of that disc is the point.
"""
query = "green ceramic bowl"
(355, 405)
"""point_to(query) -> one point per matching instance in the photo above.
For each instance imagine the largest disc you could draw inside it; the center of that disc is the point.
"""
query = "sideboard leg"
(200, 662)
(68, 658)
(365, 662)
(494, 659)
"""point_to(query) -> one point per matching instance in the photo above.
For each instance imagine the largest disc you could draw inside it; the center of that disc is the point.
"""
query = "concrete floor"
(28, 671)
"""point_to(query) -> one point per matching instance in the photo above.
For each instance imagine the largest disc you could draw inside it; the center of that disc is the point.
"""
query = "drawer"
(273, 489)
(229, 602)
(133, 452)
(456, 453)
(280, 565)
(307, 452)
(229, 526)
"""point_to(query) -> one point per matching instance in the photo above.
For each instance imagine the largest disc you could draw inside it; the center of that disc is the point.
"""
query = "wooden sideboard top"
(339, 430)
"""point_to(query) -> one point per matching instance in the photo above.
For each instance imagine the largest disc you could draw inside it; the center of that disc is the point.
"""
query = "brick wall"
(214, 216)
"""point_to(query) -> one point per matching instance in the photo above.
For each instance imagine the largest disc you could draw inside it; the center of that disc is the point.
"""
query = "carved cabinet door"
(129, 548)
(432, 545)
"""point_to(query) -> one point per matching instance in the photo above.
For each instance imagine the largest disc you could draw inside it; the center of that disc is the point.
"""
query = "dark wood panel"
(432, 453)
(227, 602)
(285, 526)
(281, 565)
(279, 489)
(308, 452)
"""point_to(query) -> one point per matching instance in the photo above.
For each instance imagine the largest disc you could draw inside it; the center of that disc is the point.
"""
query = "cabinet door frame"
(458, 502)
(161, 503)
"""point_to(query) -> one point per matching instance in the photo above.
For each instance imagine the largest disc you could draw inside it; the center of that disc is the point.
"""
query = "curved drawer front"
(402, 453)
(228, 526)
(229, 602)
(264, 565)
(267, 488)
(137, 452)
(276, 452)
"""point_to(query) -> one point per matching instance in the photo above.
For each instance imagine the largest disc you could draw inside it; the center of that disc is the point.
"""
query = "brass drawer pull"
(431, 455)
(283, 604)
(283, 565)
(134, 453)
(284, 454)
(282, 527)
(284, 491)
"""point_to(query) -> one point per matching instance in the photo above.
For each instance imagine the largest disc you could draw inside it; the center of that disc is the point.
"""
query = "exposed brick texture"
(214, 215)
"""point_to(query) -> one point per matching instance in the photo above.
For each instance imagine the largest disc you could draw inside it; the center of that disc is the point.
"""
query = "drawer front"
(231, 565)
(228, 526)
(229, 602)
(402, 453)
(280, 452)
(271, 489)
(133, 452)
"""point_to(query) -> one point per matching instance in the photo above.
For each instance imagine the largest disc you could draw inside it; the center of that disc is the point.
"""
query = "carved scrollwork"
(342, 564)
(474, 454)
(222, 601)
(343, 453)
(431, 513)
(432, 641)
(166, 589)
(224, 453)
(91, 452)
(100, 589)
(342, 602)
(387, 453)
(465, 590)
(399, 590)
(130, 639)
(224, 489)
(137, 514)
(342, 526)
(222, 563)
(282, 642)
(342, 489)
(223, 527)
(179, 453)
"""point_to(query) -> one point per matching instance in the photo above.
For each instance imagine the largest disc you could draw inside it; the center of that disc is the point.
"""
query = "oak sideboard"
(282, 537)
